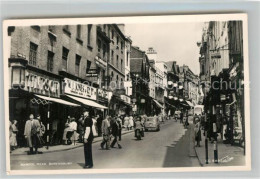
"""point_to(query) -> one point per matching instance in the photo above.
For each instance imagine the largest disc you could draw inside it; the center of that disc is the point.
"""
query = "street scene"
(108, 96)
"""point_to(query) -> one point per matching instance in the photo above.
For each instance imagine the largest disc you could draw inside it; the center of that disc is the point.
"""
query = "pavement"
(57, 148)
(227, 155)
(169, 147)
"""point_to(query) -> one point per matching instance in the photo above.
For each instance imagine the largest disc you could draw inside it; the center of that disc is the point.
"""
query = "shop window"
(50, 61)
(33, 54)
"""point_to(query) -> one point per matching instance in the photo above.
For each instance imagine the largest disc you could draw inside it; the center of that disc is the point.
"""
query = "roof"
(136, 65)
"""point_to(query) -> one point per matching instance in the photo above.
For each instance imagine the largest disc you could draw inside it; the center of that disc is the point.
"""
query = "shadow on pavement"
(177, 155)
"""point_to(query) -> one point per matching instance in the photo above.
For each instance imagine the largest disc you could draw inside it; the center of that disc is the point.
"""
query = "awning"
(87, 102)
(189, 103)
(57, 100)
(158, 104)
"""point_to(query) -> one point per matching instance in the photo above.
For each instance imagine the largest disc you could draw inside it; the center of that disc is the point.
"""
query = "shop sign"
(40, 84)
(102, 93)
(142, 100)
(79, 89)
(126, 99)
(92, 73)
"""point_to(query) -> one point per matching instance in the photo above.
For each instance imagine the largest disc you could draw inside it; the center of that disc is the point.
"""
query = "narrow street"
(170, 147)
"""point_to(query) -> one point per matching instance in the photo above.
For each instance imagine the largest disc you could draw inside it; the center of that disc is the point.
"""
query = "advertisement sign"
(41, 84)
(79, 89)
(126, 99)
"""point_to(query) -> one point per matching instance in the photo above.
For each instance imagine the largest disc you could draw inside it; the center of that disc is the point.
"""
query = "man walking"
(88, 139)
(105, 128)
(31, 132)
(115, 132)
(119, 121)
(99, 124)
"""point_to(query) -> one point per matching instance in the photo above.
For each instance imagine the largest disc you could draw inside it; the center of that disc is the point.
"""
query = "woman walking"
(13, 138)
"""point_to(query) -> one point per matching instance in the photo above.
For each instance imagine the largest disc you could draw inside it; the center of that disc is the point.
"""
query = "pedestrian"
(126, 122)
(181, 116)
(115, 133)
(42, 132)
(66, 130)
(81, 129)
(131, 122)
(106, 133)
(119, 120)
(73, 127)
(31, 132)
(88, 139)
(13, 136)
(99, 124)
(197, 130)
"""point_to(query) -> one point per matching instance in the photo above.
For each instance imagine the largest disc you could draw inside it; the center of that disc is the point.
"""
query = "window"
(50, 61)
(117, 40)
(127, 55)
(79, 31)
(89, 33)
(104, 51)
(112, 56)
(121, 64)
(117, 62)
(122, 45)
(33, 54)
(88, 66)
(77, 64)
(65, 53)
(99, 45)
(117, 80)
(36, 27)
(113, 34)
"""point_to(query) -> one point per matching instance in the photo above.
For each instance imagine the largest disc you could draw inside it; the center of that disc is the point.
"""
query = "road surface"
(170, 147)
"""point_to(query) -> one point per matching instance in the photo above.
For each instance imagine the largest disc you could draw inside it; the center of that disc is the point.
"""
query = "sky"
(173, 42)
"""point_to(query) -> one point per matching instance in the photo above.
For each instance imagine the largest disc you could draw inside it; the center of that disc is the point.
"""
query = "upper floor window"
(117, 61)
(113, 34)
(50, 61)
(88, 66)
(52, 28)
(122, 45)
(89, 33)
(77, 65)
(33, 54)
(36, 27)
(79, 31)
(65, 54)
(122, 65)
(112, 55)
(104, 51)
(99, 45)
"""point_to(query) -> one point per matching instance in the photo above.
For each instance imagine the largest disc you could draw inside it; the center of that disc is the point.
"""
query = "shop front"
(34, 91)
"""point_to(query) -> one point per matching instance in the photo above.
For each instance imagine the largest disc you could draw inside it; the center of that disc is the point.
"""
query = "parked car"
(152, 123)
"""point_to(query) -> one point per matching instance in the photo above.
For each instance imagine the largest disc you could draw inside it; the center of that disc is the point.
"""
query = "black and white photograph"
(127, 94)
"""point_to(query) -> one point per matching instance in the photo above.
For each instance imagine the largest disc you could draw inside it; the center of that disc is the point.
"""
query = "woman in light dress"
(13, 138)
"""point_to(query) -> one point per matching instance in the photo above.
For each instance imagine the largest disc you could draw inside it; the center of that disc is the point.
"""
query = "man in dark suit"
(88, 139)
(115, 132)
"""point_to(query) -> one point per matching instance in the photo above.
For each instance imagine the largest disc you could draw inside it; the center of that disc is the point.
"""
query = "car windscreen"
(150, 119)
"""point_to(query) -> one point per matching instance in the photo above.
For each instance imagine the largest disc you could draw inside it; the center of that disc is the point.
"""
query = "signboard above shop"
(83, 90)
(41, 84)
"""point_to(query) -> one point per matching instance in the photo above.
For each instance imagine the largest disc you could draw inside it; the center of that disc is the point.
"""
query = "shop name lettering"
(41, 84)
(80, 89)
